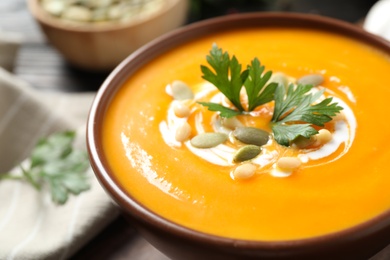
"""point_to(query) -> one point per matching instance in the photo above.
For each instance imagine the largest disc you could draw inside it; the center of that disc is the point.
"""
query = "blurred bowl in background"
(101, 46)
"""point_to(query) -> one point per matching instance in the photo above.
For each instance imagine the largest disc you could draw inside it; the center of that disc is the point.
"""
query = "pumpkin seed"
(279, 78)
(323, 136)
(99, 14)
(181, 91)
(288, 163)
(77, 13)
(244, 171)
(311, 79)
(96, 3)
(251, 135)
(246, 153)
(231, 122)
(150, 8)
(181, 110)
(54, 7)
(129, 13)
(339, 116)
(183, 132)
(115, 12)
(303, 142)
(208, 140)
(101, 10)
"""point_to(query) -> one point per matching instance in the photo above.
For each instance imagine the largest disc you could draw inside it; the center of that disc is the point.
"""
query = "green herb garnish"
(223, 111)
(257, 91)
(295, 111)
(56, 165)
(229, 79)
(296, 106)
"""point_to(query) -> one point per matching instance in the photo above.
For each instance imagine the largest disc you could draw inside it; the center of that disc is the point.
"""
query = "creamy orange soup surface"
(323, 196)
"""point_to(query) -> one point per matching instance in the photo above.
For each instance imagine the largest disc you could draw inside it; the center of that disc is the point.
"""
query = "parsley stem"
(8, 176)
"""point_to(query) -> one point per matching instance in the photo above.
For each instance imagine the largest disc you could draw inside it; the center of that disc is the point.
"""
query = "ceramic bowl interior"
(101, 47)
(359, 242)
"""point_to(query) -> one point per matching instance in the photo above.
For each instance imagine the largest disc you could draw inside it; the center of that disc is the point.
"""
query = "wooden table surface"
(42, 66)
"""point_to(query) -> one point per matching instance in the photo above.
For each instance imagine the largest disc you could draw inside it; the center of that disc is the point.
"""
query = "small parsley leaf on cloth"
(54, 163)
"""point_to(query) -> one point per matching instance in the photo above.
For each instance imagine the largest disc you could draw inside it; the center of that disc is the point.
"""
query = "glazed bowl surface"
(360, 241)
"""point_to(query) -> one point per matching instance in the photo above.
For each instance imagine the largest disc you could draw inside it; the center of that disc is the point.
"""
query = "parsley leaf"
(258, 93)
(228, 77)
(296, 106)
(296, 110)
(224, 111)
(284, 133)
(285, 102)
(56, 165)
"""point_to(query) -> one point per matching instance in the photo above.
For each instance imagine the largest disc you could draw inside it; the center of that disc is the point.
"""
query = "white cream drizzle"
(348, 92)
(344, 133)
(218, 155)
(279, 173)
(222, 155)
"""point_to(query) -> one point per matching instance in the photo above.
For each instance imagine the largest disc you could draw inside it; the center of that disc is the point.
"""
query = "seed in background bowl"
(101, 10)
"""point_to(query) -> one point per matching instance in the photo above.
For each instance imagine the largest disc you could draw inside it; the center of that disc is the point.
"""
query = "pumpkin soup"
(197, 168)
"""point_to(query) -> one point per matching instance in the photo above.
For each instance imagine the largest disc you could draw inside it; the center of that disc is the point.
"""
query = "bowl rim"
(180, 36)
(73, 26)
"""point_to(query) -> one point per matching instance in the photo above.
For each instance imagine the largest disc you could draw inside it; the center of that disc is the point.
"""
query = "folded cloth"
(9, 47)
(31, 225)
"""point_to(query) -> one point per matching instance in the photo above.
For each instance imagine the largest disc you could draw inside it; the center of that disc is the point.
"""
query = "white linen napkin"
(378, 19)
(31, 225)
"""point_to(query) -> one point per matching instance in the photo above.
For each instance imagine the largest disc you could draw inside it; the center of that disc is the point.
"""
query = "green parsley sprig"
(295, 111)
(297, 106)
(55, 164)
(229, 79)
